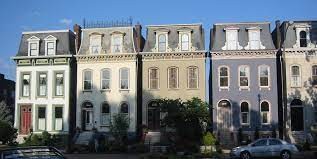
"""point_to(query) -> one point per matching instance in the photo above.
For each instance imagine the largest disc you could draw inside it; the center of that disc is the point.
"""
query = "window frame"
(188, 77)
(94, 37)
(54, 117)
(312, 75)
(181, 42)
(102, 79)
(39, 84)
(299, 76)
(50, 39)
(247, 76)
(219, 77)
(22, 84)
(268, 76)
(55, 84)
(157, 78)
(300, 39)
(113, 46)
(120, 80)
(248, 113)
(37, 118)
(126, 114)
(101, 114)
(158, 41)
(268, 113)
(91, 79)
(177, 77)
(33, 40)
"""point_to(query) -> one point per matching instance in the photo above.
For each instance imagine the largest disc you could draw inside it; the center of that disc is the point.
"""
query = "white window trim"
(54, 78)
(101, 114)
(30, 84)
(121, 35)
(269, 113)
(180, 46)
(36, 40)
(38, 83)
(232, 29)
(300, 76)
(54, 118)
(188, 80)
(101, 77)
(249, 114)
(49, 39)
(83, 81)
(311, 69)
(250, 31)
(303, 27)
(177, 77)
(95, 35)
(158, 78)
(269, 77)
(248, 76)
(120, 78)
(157, 41)
(223, 87)
(37, 117)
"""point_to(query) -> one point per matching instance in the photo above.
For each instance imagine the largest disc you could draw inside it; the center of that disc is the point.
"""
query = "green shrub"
(119, 128)
(8, 134)
(209, 139)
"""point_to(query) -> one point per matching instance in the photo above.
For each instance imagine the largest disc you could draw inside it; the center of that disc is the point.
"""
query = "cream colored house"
(173, 66)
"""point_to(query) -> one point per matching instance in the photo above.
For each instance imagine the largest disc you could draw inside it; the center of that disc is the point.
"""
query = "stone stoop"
(226, 139)
(300, 137)
(152, 137)
(84, 138)
(20, 138)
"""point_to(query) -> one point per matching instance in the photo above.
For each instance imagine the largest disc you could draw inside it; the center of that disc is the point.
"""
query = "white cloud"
(66, 21)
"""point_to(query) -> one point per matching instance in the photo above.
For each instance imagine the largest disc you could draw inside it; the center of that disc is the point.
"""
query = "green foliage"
(256, 133)
(119, 128)
(209, 139)
(5, 114)
(45, 139)
(189, 118)
(8, 133)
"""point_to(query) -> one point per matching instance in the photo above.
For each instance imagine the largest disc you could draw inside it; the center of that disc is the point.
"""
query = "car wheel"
(245, 155)
(285, 155)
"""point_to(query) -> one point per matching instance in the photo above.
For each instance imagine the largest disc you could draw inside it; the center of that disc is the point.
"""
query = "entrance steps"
(152, 137)
(84, 137)
(226, 138)
(300, 137)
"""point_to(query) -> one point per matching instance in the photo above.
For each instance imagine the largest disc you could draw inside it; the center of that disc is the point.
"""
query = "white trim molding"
(254, 34)
(34, 41)
(50, 40)
(303, 27)
(232, 35)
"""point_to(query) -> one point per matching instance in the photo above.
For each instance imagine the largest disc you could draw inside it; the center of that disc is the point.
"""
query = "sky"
(30, 15)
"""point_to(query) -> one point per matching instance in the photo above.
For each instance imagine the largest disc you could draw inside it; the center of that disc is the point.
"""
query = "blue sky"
(25, 15)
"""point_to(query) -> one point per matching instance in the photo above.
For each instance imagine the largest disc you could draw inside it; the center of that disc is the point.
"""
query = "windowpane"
(223, 75)
(117, 43)
(244, 112)
(50, 48)
(232, 36)
(58, 112)
(295, 76)
(172, 77)
(124, 108)
(59, 82)
(185, 42)
(58, 118)
(162, 43)
(264, 76)
(124, 78)
(314, 75)
(154, 78)
(87, 80)
(42, 84)
(303, 39)
(95, 44)
(265, 109)
(192, 77)
(254, 39)
(26, 85)
(33, 49)
(105, 79)
(244, 76)
(41, 118)
(105, 114)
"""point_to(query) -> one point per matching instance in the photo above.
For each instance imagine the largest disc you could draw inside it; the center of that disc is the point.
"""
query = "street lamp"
(283, 70)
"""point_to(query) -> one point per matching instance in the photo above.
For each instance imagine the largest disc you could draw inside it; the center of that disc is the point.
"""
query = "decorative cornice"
(301, 52)
(43, 61)
(244, 54)
(174, 55)
(105, 57)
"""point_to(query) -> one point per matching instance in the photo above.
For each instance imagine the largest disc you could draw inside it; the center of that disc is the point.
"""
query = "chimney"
(278, 34)
(139, 41)
(77, 30)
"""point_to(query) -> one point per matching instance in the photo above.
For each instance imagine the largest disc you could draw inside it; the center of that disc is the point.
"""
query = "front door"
(26, 119)
(87, 119)
(154, 119)
(224, 115)
(297, 118)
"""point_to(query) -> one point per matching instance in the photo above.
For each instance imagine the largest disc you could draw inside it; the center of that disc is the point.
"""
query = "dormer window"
(34, 44)
(50, 45)
(185, 42)
(95, 43)
(303, 39)
(303, 36)
(254, 39)
(232, 42)
(162, 42)
(117, 42)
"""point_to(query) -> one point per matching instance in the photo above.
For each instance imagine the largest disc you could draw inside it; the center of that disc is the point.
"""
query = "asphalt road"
(102, 156)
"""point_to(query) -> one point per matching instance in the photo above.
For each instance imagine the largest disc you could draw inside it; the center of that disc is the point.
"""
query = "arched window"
(173, 77)
(124, 109)
(224, 103)
(87, 79)
(162, 42)
(264, 76)
(192, 77)
(105, 79)
(295, 76)
(184, 42)
(265, 112)
(314, 75)
(303, 39)
(244, 75)
(223, 77)
(124, 78)
(153, 78)
(105, 113)
(87, 104)
(245, 117)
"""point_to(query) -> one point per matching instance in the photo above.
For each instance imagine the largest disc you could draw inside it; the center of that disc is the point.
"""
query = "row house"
(297, 43)
(173, 66)
(44, 80)
(244, 80)
(107, 76)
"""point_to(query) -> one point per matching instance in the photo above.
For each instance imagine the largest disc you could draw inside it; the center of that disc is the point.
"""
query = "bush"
(209, 139)
(119, 128)
(45, 139)
(8, 134)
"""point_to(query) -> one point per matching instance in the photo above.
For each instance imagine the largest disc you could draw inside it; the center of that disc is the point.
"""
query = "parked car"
(38, 152)
(268, 147)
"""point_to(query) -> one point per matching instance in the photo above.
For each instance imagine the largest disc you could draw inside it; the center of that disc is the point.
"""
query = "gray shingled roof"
(197, 37)
(218, 38)
(65, 43)
(128, 40)
(291, 34)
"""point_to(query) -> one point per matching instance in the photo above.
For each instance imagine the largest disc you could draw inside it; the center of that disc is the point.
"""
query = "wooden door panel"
(26, 119)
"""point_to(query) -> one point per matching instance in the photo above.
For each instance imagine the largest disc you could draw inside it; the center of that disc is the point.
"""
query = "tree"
(8, 134)
(119, 127)
(5, 114)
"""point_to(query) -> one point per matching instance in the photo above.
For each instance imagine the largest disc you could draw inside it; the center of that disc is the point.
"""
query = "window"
(245, 118)
(59, 84)
(33, 49)
(124, 78)
(42, 89)
(105, 81)
(262, 142)
(303, 39)
(105, 114)
(116, 43)
(184, 42)
(254, 37)
(58, 115)
(124, 108)
(295, 76)
(264, 76)
(173, 77)
(95, 43)
(274, 142)
(265, 112)
(50, 48)
(244, 76)
(41, 112)
(314, 75)
(162, 42)
(87, 80)
(50, 45)
(26, 85)
(192, 77)
(154, 78)
(223, 77)
(33, 46)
